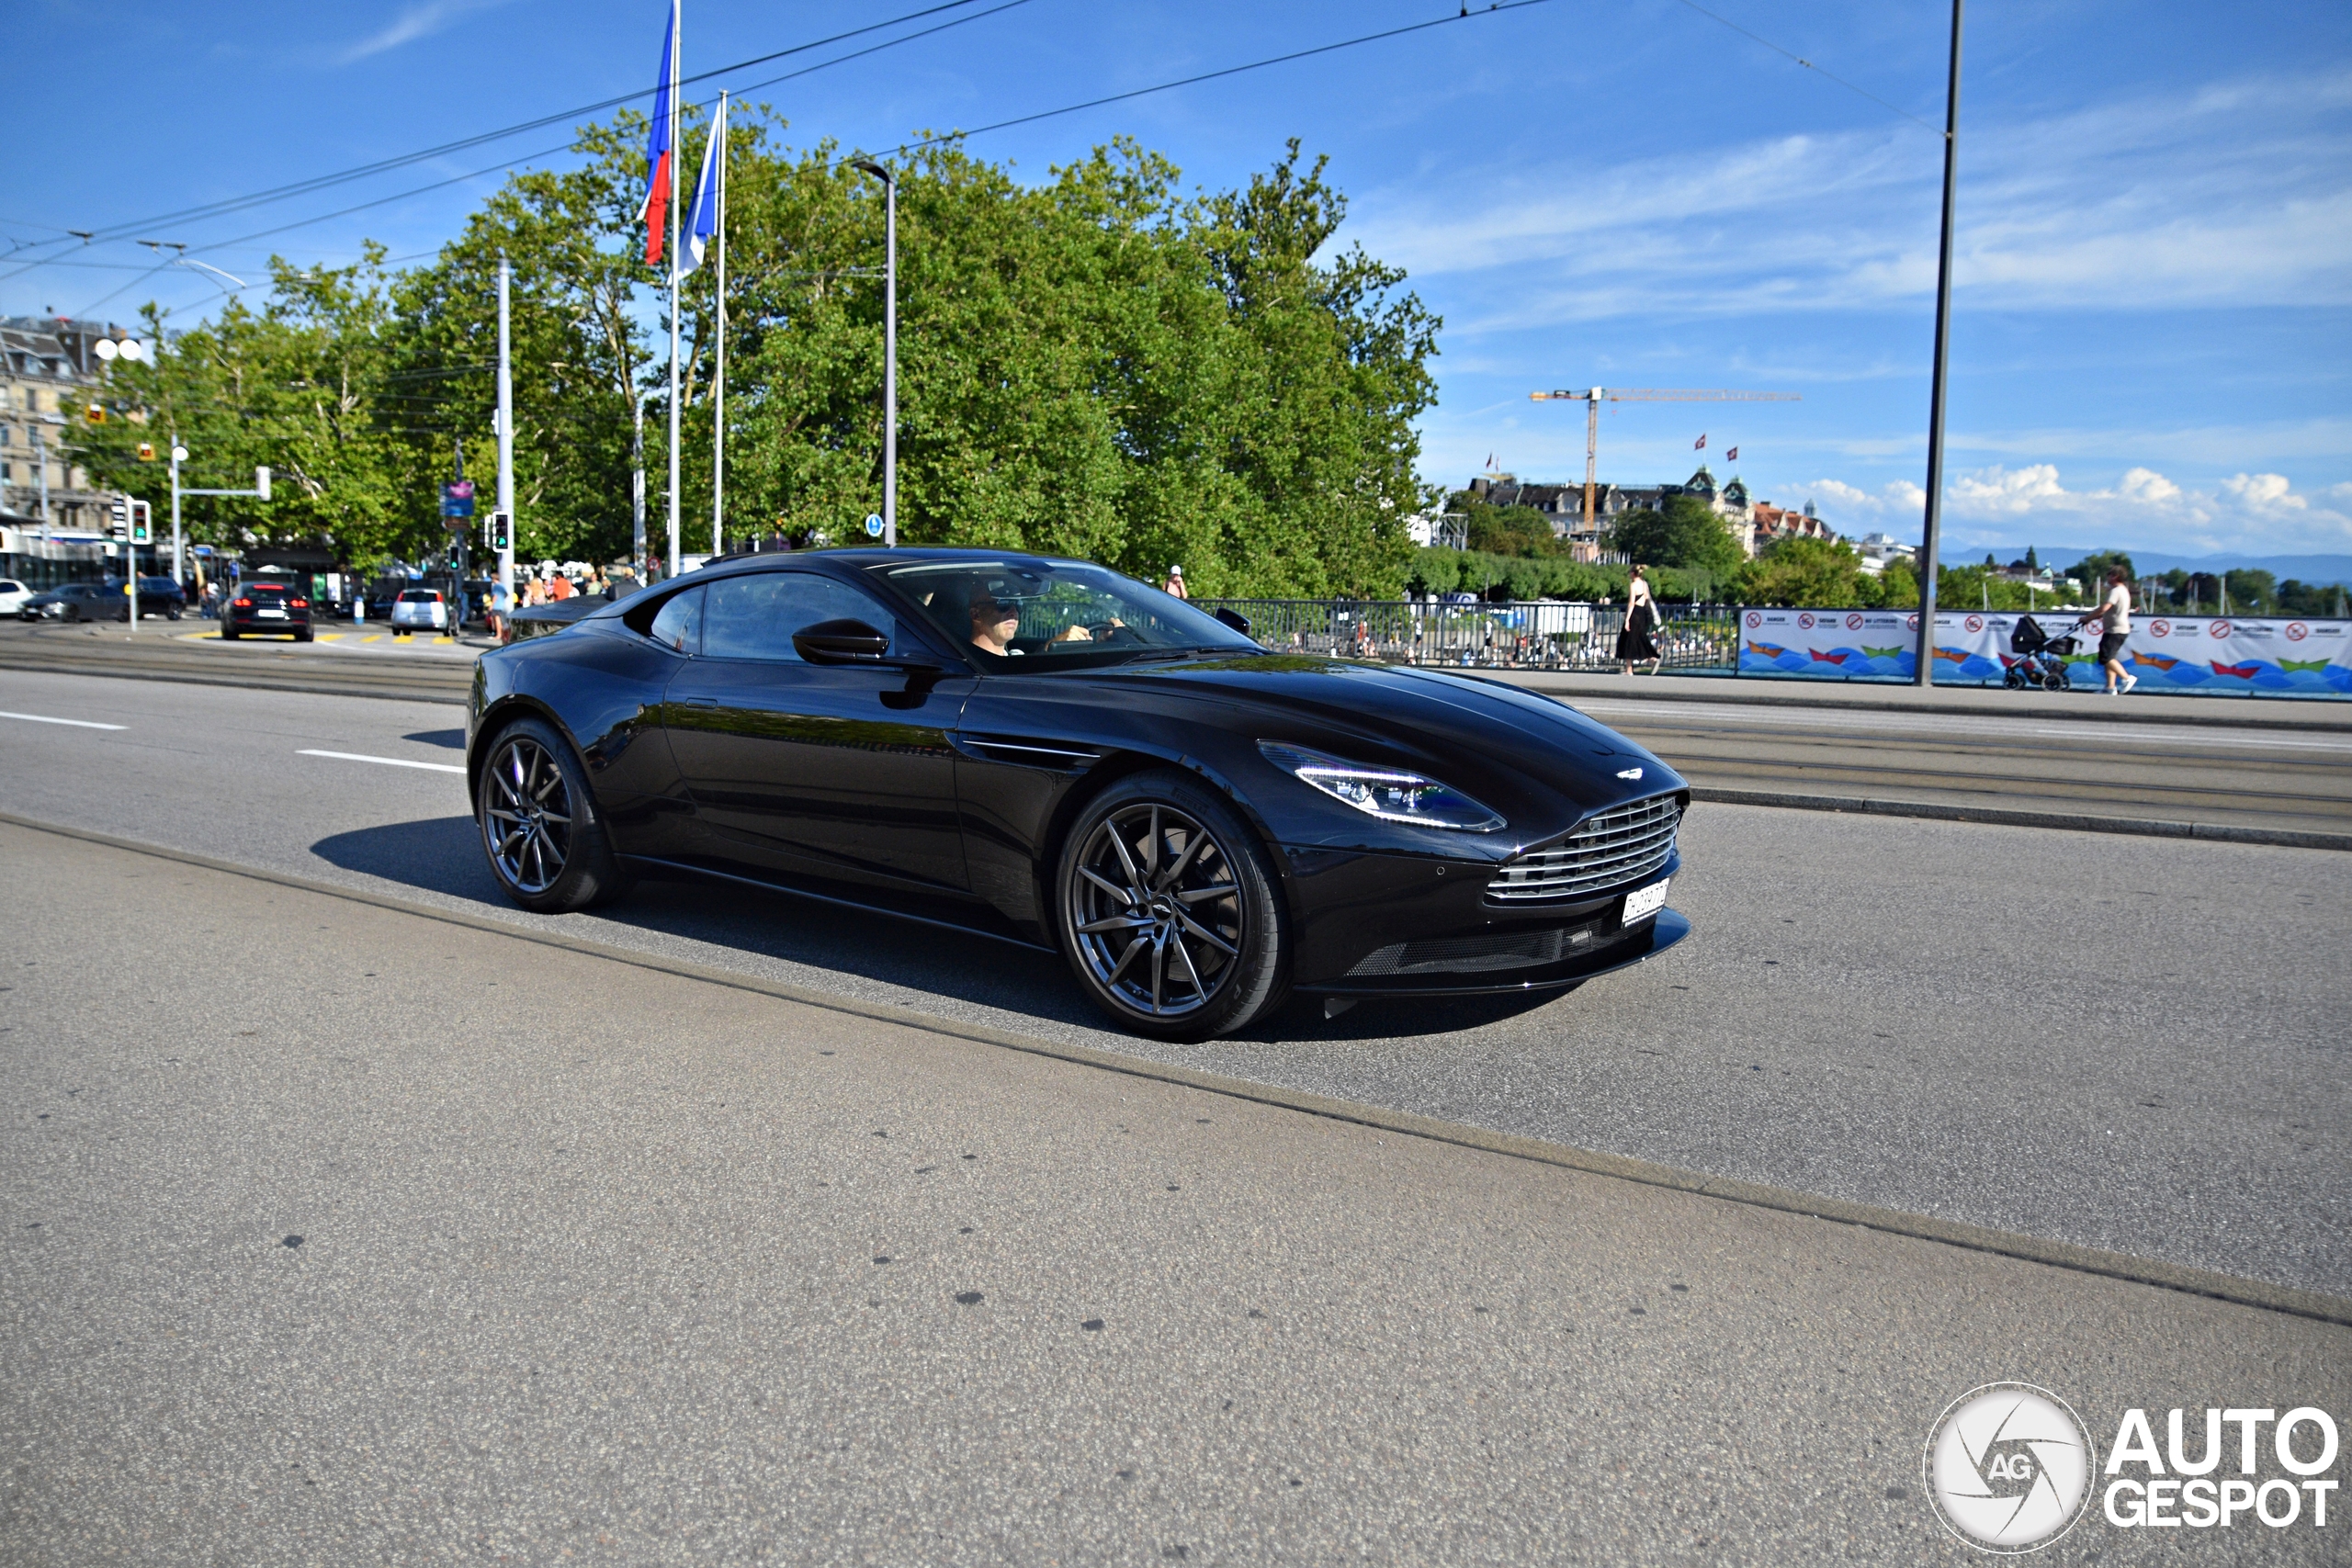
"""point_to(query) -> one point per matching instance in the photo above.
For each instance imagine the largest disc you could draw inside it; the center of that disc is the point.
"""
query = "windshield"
(1064, 613)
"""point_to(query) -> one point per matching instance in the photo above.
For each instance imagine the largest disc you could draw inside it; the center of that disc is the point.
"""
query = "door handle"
(699, 702)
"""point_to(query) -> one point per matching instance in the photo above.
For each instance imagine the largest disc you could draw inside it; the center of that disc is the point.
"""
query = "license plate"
(1644, 902)
(273, 614)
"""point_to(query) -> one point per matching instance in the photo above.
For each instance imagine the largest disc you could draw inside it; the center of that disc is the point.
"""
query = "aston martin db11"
(1048, 752)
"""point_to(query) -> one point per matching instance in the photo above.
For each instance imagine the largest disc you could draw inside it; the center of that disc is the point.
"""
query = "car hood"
(1524, 754)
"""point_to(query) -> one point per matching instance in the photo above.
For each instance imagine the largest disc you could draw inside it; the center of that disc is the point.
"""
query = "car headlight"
(1390, 793)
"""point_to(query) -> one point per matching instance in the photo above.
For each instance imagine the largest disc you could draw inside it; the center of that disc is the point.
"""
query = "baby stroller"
(2041, 658)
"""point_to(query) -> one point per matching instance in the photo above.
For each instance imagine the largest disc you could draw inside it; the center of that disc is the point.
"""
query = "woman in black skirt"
(1634, 643)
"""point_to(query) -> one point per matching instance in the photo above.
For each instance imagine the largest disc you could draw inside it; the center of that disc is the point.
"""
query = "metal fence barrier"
(1537, 635)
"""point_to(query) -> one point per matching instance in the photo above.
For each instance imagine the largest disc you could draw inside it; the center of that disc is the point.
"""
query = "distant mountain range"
(2300, 569)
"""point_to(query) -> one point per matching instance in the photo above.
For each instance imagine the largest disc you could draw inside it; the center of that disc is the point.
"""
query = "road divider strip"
(2066, 821)
(2289, 1300)
(76, 723)
(387, 762)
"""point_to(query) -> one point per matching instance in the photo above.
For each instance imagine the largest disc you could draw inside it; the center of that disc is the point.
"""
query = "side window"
(755, 617)
(679, 626)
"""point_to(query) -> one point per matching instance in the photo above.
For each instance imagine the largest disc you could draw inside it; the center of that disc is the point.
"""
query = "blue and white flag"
(710, 195)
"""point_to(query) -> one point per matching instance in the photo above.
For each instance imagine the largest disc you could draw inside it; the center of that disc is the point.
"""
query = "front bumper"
(1370, 924)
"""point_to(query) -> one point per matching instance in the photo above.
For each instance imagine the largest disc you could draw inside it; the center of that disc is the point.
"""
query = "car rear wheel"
(1166, 909)
(539, 824)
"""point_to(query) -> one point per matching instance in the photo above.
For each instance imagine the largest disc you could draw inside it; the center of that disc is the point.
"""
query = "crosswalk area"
(384, 640)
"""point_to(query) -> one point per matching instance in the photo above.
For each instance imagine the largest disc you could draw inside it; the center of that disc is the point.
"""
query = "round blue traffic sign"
(873, 525)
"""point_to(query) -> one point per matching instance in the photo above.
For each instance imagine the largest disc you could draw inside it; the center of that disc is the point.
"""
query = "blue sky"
(2152, 345)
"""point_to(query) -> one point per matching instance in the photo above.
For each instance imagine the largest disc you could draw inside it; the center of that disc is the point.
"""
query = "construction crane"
(1593, 398)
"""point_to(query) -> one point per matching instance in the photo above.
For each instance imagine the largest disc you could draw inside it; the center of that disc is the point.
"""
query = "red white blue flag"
(658, 152)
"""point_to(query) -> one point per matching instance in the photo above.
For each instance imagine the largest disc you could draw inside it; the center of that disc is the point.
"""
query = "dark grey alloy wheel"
(539, 824)
(1166, 911)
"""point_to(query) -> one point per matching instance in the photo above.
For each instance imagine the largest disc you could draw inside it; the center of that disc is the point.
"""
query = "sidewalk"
(2139, 707)
(616, 1264)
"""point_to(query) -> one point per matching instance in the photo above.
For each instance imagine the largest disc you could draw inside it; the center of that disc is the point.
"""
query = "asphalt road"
(298, 1266)
(2129, 1044)
(2043, 754)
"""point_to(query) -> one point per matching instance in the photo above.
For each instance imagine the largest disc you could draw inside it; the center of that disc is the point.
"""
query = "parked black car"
(78, 601)
(1051, 753)
(157, 596)
(266, 608)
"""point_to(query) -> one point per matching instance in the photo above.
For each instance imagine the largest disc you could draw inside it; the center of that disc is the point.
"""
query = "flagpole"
(719, 380)
(677, 48)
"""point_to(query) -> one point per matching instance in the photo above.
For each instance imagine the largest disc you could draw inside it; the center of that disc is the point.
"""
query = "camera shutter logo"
(2008, 1468)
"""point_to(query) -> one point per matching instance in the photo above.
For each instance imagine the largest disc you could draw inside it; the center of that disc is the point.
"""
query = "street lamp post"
(889, 350)
(1924, 675)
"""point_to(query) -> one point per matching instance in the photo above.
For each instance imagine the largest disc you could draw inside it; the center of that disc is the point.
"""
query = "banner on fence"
(2271, 656)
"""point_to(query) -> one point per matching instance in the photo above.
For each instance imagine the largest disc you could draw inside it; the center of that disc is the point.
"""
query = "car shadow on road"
(442, 855)
(455, 739)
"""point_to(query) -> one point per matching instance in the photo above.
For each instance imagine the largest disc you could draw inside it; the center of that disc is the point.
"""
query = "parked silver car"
(419, 610)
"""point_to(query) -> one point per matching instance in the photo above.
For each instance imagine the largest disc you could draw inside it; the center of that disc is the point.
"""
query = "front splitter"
(1670, 927)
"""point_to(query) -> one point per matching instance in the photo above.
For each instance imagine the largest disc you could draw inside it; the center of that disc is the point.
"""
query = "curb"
(1745, 692)
(2066, 821)
(325, 685)
(2287, 1300)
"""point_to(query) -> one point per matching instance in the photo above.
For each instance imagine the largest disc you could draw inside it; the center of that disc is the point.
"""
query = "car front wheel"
(1168, 911)
(540, 826)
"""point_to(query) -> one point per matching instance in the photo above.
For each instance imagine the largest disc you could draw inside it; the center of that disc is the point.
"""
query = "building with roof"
(48, 375)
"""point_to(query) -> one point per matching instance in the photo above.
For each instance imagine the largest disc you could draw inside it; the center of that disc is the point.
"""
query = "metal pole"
(677, 48)
(890, 370)
(130, 564)
(1591, 462)
(506, 435)
(719, 379)
(1926, 673)
(179, 568)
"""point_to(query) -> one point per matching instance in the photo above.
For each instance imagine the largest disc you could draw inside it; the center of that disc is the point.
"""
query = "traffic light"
(97, 414)
(457, 555)
(118, 519)
(146, 451)
(141, 533)
(499, 534)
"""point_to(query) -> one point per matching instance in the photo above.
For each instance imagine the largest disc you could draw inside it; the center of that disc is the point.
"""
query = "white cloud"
(2258, 512)
(421, 20)
(2241, 195)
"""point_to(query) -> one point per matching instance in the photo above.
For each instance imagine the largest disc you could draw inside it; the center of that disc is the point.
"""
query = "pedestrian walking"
(1634, 643)
(2115, 629)
(1174, 586)
(502, 604)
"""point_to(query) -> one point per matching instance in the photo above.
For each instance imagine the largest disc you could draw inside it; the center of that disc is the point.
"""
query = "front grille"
(1476, 954)
(1616, 847)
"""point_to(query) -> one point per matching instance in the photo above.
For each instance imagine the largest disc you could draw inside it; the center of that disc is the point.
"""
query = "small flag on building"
(1700, 444)
(1731, 456)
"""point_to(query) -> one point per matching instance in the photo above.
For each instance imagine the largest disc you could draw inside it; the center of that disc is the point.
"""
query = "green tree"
(1822, 573)
(1685, 532)
(2092, 569)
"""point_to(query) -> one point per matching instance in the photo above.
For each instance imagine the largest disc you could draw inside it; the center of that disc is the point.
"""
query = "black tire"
(171, 611)
(303, 636)
(540, 827)
(228, 632)
(1168, 910)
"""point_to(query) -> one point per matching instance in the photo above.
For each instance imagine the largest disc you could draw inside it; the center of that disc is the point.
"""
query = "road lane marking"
(388, 761)
(1983, 725)
(76, 723)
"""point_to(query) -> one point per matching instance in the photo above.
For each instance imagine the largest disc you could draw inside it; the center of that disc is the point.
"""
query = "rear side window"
(678, 627)
(420, 596)
(755, 617)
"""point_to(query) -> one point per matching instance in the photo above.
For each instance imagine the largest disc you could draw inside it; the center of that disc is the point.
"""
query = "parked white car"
(419, 610)
(13, 595)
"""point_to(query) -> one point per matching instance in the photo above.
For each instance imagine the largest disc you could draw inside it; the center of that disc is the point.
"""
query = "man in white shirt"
(2115, 628)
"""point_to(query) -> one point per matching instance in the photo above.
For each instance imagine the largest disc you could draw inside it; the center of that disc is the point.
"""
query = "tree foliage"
(1098, 365)
(1685, 532)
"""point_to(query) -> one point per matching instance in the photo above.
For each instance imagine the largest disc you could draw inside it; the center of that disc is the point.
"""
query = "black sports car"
(1046, 751)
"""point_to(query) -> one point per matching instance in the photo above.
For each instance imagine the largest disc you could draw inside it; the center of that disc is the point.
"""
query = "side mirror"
(1235, 619)
(841, 642)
